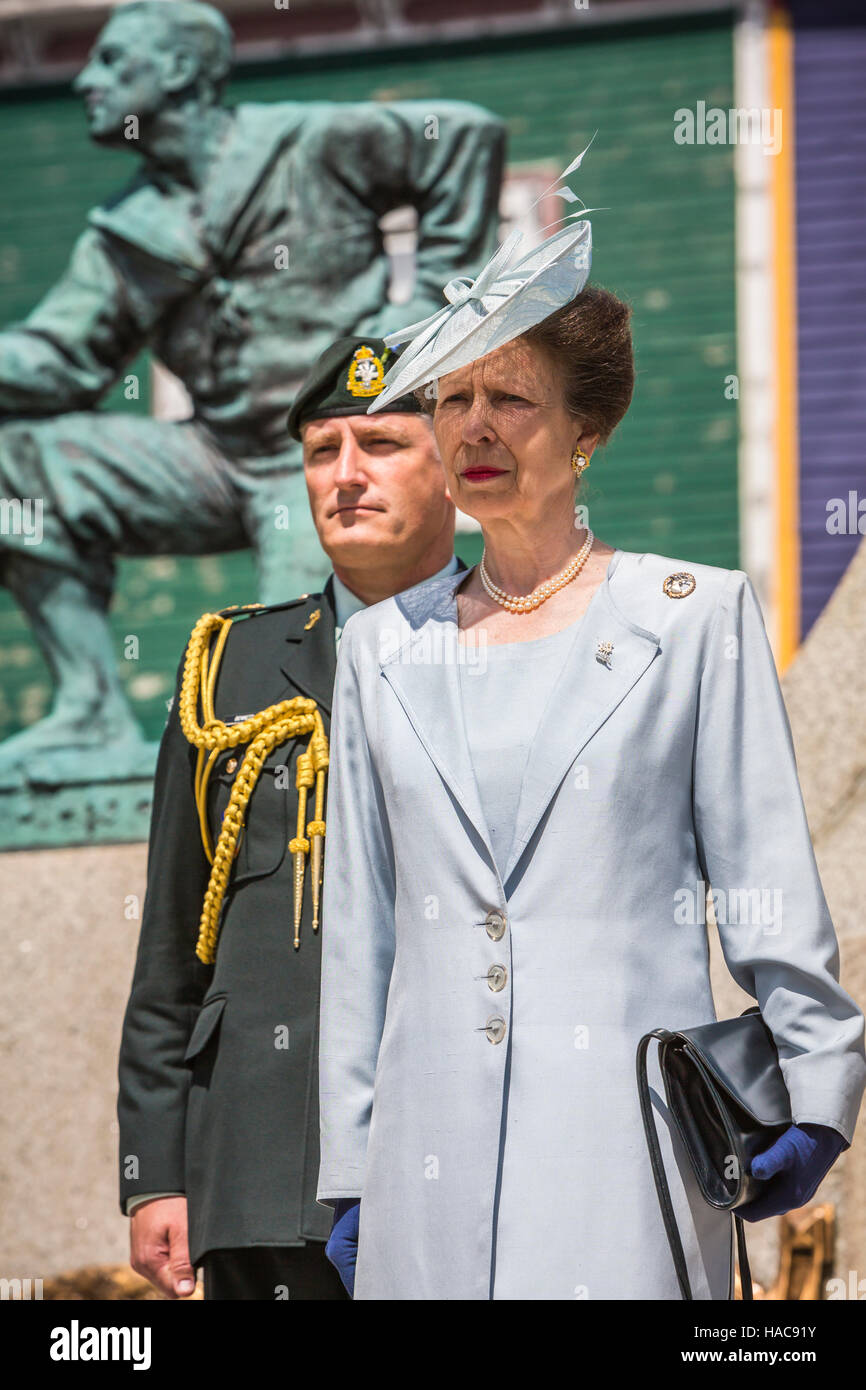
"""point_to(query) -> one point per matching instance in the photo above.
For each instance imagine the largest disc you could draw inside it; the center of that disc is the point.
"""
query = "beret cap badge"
(366, 372)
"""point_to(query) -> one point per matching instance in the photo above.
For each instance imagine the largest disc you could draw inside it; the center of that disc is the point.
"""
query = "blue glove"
(793, 1168)
(342, 1246)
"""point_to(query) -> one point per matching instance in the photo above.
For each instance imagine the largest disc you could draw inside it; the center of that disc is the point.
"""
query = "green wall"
(668, 480)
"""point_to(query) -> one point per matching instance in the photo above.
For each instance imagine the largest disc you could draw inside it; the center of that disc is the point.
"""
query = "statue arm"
(74, 345)
(448, 160)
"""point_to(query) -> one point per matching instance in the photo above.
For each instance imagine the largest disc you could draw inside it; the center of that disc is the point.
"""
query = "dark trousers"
(272, 1273)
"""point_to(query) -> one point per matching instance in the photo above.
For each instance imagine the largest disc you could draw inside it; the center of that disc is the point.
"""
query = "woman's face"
(505, 436)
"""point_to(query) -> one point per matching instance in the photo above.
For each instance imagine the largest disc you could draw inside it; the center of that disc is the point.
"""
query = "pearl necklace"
(524, 603)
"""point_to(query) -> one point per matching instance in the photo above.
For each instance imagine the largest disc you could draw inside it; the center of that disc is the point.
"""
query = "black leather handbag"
(727, 1097)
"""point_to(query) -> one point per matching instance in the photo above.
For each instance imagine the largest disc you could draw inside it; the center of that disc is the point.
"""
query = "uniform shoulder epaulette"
(255, 610)
(237, 610)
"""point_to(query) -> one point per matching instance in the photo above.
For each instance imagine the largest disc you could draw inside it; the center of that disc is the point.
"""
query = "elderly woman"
(536, 770)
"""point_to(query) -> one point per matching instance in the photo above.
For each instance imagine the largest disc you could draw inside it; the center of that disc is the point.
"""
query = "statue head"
(153, 55)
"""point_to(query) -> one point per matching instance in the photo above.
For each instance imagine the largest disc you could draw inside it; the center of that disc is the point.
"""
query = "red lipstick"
(481, 474)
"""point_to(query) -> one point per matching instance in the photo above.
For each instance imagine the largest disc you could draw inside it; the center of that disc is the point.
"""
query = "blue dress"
(504, 688)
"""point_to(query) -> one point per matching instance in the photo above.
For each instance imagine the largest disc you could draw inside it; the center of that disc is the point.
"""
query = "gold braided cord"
(262, 733)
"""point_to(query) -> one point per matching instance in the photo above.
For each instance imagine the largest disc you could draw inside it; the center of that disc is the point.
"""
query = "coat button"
(231, 765)
(496, 978)
(494, 924)
(495, 1029)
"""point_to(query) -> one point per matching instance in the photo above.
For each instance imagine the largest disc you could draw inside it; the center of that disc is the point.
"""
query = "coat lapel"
(309, 661)
(302, 662)
(433, 703)
(585, 694)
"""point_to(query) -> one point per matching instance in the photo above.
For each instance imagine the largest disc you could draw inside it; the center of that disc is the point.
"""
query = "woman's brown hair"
(589, 341)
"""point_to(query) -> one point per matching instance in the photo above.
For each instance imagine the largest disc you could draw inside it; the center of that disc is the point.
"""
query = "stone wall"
(68, 949)
(824, 693)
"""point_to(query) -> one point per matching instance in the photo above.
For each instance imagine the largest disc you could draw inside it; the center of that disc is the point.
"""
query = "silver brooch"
(679, 585)
(604, 652)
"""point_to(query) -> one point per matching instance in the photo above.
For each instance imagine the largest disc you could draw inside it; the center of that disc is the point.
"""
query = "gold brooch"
(679, 585)
(313, 619)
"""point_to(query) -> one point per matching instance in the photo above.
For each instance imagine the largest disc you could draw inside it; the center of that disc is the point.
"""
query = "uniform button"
(231, 765)
(494, 924)
(496, 978)
(495, 1029)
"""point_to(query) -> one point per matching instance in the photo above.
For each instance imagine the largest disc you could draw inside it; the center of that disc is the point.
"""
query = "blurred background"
(742, 259)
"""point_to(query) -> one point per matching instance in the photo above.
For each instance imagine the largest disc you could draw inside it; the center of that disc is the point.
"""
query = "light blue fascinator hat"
(512, 293)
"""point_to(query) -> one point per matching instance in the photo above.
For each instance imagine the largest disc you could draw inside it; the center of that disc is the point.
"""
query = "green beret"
(343, 382)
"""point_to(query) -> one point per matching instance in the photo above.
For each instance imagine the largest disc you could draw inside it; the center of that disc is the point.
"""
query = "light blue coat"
(518, 1168)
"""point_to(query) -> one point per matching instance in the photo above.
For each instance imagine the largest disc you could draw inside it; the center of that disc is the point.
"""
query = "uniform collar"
(312, 635)
(346, 602)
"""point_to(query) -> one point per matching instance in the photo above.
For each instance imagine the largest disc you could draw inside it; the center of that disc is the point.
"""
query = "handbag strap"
(661, 1181)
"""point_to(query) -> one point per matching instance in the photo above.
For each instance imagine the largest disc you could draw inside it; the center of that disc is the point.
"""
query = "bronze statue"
(248, 239)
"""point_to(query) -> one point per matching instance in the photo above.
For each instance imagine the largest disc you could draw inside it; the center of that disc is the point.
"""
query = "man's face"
(375, 481)
(125, 76)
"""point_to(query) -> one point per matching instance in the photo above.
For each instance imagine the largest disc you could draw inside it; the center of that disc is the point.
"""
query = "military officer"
(218, 1100)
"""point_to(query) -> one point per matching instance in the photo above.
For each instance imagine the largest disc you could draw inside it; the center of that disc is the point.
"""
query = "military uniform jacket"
(218, 1089)
(479, 1031)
